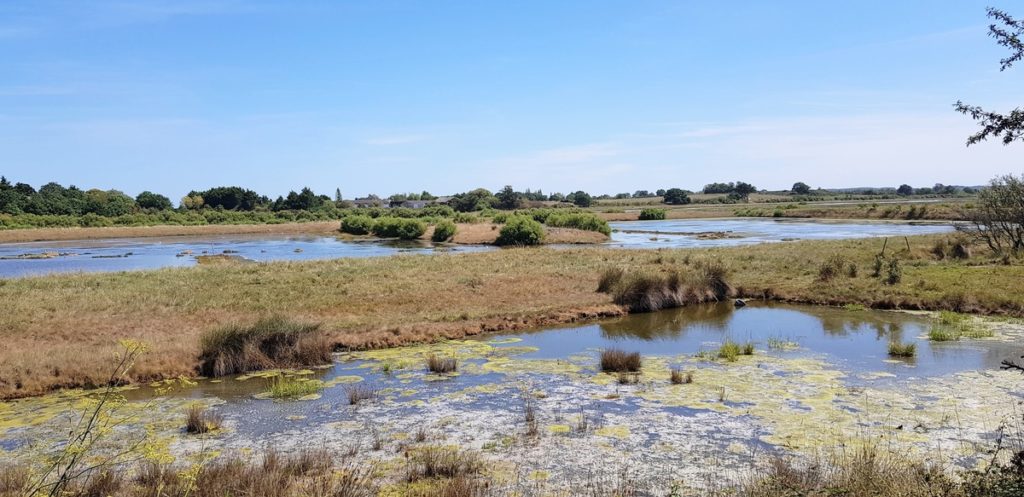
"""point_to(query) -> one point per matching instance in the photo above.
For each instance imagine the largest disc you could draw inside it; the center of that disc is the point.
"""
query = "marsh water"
(818, 377)
(24, 259)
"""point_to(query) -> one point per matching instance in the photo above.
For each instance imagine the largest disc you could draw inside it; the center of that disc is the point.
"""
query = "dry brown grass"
(620, 361)
(274, 342)
(439, 364)
(199, 420)
(55, 234)
(58, 331)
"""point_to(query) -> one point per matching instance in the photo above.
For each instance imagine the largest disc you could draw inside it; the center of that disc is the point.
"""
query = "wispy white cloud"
(388, 140)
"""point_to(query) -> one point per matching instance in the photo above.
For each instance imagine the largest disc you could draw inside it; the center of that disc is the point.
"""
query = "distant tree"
(337, 195)
(4, 184)
(642, 194)
(473, 200)
(623, 195)
(508, 198)
(192, 202)
(801, 188)
(744, 189)
(905, 190)
(720, 188)
(998, 216)
(923, 191)
(556, 197)
(676, 196)
(230, 198)
(581, 198)
(153, 201)
(660, 192)
(305, 200)
(1008, 126)
(427, 196)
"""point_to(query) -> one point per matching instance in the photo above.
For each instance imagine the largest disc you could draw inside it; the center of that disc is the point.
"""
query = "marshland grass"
(199, 420)
(646, 291)
(441, 364)
(290, 387)
(59, 330)
(358, 394)
(902, 349)
(274, 342)
(951, 326)
(620, 361)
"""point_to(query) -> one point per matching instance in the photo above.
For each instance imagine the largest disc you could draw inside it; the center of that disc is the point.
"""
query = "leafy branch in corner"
(1010, 127)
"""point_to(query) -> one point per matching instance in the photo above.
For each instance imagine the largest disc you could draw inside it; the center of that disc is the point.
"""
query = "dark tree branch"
(1008, 364)
(1008, 127)
(1008, 36)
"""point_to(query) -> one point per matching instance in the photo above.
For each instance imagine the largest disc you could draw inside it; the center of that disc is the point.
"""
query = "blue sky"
(392, 96)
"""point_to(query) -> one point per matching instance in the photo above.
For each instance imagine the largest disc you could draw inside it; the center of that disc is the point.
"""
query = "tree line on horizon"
(55, 199)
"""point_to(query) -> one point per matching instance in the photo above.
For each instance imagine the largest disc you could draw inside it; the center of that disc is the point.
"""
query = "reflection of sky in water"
(756, 231)
(151, 253)
(854, 342)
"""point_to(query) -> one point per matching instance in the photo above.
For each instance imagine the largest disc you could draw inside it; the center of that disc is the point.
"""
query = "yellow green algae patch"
(559, 429)
(613, 431)
(344, 379)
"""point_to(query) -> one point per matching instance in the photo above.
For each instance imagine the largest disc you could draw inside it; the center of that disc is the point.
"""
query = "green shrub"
(897, 349)
(357, 225)
(587, 221)
(443, 231)
(652, 214)
(521, 230)
(392, 227)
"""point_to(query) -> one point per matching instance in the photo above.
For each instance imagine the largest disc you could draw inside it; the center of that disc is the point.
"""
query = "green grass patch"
(287, 387)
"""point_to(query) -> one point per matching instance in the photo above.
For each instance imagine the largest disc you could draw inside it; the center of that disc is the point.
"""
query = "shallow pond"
(23, 259)
(818, 378)
(675, 233)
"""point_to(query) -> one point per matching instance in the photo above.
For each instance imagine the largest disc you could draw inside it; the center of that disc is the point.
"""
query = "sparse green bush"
(894, 273)
(404, 228)
(443, 231)
(357, 225)
(521, 230)
(729, 351)
(652, 214)
(586, 221)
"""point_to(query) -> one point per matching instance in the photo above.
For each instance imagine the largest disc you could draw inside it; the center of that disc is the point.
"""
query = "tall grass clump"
(729, 351)
(835, 266)
(269, 343)
(199, 420)
(357, 225)
(521, 231)
(440, 365)
(652, 214)
(285, 387)
(444, 230)
(900, 349)
(707, 281)
(359, 393)
(620, 361)
(679, 377)
(433, 462)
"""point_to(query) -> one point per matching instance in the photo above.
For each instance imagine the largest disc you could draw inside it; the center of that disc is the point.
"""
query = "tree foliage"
(1008, 32)
(801, 188)
(676, 196)
(998, 216)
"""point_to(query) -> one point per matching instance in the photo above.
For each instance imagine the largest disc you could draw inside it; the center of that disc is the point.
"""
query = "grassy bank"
(946, 210)
(57, 331)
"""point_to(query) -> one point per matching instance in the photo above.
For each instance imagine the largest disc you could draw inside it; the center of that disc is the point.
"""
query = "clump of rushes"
(898, 349)
(360, 393)
(620, 361)
(629, 378)
(285, 387)
(730, 351)
(748, 348)
(648, 291)
(439, 364)
(432, 462)
(680, 377)
(269, 343)
(200, 420)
